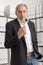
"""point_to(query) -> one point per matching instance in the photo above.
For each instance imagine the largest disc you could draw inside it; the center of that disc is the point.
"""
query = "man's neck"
(22, 21)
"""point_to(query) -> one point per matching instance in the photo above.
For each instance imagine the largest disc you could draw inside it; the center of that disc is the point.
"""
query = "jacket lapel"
(16, 25)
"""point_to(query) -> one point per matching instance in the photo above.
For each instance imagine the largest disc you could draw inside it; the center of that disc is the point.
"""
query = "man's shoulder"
(11, 22)
(31, 22)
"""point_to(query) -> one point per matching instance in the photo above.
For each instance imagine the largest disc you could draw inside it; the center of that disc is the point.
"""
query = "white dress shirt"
(27, 36)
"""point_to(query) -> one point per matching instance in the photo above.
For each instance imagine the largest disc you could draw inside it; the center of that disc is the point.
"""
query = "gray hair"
(20, 5)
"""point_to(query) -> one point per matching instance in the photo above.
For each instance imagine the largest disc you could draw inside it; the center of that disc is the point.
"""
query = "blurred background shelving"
(7, 13)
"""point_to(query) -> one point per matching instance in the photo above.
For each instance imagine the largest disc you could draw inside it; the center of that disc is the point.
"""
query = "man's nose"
(22, 13)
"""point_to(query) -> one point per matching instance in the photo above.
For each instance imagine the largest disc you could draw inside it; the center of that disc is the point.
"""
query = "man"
(21, 38)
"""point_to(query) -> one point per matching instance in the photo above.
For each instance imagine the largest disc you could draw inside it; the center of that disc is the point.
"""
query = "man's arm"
(36, 42)
(10, 39)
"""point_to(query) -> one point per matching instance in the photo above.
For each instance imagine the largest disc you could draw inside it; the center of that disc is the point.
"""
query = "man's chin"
(23, 19)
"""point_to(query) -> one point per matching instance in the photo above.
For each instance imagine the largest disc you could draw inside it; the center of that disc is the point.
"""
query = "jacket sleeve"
(38, 55)
(10, 39)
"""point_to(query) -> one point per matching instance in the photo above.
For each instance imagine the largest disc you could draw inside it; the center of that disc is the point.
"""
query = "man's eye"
(19, 11)
(24, 11)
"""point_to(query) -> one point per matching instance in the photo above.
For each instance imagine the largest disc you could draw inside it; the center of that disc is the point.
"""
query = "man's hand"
(21, 32)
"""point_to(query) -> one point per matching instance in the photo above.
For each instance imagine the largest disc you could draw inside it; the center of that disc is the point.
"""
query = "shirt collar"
(21, 21)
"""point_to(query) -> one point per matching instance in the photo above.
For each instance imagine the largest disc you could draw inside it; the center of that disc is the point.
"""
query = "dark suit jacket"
(18, 47)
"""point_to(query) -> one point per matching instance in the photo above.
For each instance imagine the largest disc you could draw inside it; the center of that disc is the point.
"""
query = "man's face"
(21, 13)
